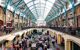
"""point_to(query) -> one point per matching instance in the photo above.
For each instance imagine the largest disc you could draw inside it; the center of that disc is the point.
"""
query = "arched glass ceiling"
(18, 7)
(41, 12)
(39, 8)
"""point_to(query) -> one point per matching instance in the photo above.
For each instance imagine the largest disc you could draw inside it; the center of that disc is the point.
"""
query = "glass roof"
(37, 9)
(40, 8)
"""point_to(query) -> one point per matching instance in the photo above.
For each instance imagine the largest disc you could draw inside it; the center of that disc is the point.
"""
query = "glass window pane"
(31, 7)
(37, 1)
(42, 1)
(70, 5)
(42, 5)
(42, 8)
(32, 10)
(10, 8)
(34, 14)
(29, 4)
(42, 12)
(37, 5)
(48, 3)
(26, 1)
(2, 3)
(52, 1)
(46, 12)
(78, 1)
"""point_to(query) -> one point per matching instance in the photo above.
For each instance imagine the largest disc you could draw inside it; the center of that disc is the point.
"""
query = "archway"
(1, 23)
(1, 27)
(71, 45)
(61, 41)
(74, 46)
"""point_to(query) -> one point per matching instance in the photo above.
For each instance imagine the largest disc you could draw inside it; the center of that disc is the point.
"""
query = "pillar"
(59, 39)
(68, 45)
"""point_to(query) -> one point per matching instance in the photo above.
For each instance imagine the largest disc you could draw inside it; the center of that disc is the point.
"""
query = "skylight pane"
(41, 12)
(27, 1)
(31, 7)
(38, 11)
(37, 1)
(29, 4)
(32, 10)
(42, 8)
(10, 8)
(47, 7)
(17, 12)
(70, 5)
(2, 3)
(52, 1)
(42, 5)
(34, 13)
(37, 5)
(42, 1)
(48, 3)
(78, 1)
(46, 12)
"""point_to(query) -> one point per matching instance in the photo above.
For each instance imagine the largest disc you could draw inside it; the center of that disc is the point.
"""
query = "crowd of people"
(34, 42)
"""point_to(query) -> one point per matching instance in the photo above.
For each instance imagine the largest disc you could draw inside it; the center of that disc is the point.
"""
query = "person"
(20, 44)
(16, 43)
(57, 47)
(53, 41)
(40, 48)
(48, 45)
(33, 46)
(30, 42)
(49, 49)
(45, 47)
(24, 44)
(40, 44)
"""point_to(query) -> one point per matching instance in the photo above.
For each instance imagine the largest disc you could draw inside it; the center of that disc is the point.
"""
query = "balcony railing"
(71, 31)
